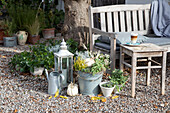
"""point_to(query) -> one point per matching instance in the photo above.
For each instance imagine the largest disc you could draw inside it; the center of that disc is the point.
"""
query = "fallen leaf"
(15, 110)
(104, 99)
(63, 97)
(50, 97)
(86, 110)
(99, 95)
(123, 102)
(95, 98)
(155, 106)
(57, 93)
(115, 97)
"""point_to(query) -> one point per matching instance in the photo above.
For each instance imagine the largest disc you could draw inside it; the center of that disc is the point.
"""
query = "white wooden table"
(144, 51)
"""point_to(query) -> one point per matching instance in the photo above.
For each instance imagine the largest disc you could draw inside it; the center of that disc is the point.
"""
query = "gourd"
(72, 89)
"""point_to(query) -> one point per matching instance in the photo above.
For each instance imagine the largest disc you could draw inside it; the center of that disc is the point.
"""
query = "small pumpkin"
(72, 89)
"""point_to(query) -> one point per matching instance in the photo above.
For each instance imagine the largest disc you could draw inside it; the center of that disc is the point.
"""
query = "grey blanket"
(160, 17)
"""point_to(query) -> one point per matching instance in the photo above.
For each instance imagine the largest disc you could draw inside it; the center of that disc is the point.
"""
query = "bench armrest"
(98, 31)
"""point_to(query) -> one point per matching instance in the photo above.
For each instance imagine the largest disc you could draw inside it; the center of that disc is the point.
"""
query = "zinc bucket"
(88, 83)
(10, 41)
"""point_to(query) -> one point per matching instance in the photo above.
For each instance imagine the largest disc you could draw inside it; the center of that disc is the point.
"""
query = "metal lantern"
(64, 63)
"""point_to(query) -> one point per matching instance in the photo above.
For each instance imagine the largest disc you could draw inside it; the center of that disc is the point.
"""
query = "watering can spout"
(46, 72)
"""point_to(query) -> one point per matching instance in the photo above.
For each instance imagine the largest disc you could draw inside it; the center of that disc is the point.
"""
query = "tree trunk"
(76, 19)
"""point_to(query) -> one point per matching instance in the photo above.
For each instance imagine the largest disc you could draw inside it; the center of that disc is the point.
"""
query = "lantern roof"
(63, 52)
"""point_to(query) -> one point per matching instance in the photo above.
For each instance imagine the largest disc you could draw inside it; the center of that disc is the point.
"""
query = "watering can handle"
(46, 72)
(62, 77)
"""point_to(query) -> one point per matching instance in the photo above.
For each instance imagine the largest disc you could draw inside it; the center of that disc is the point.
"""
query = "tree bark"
(76, 19)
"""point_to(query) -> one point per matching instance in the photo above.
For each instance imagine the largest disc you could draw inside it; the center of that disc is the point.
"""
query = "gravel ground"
(26, 93)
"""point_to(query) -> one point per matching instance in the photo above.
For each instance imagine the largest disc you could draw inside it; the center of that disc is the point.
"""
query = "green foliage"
(108, 85)
(9, 28)
(34, 28)
(118, 79)
(53, 18)
(24, 15)
(38, 57)
(97, 67)
(20, 61)
(72, 45)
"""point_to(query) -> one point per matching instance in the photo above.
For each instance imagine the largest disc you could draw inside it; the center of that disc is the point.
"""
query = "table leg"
(121, 59)
(133, 69)
(163, 73)
(149, 71)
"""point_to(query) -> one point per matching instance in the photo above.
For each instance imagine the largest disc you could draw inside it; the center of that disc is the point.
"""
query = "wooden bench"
(119, 18)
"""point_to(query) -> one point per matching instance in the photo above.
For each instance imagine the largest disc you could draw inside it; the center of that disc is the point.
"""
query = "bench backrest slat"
(116, 22)
(141, 21)
(103, 21)
(122, 21)
(128, 21)
(109, 22)
(147, 19)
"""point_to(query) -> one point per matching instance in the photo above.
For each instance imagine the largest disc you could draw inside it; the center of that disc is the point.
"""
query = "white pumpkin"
(72, 89)
(89, 62)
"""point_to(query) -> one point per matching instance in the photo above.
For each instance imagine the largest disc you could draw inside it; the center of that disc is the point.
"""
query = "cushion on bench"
(158, 40)
(122, 38)
(106, 46)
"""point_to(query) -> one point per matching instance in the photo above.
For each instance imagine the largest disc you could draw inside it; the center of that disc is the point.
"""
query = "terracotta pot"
(49, 33)
(22, 37)
(33, 39)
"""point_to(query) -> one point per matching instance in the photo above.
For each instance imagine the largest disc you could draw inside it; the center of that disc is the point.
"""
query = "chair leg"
(133, 74)
(149, 71)
(163, 73)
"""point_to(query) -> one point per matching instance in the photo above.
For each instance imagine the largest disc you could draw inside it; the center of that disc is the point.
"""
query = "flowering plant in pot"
(90, 67)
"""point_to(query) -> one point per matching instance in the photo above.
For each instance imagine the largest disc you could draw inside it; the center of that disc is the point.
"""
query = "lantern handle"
(46, 72)
(61, 78)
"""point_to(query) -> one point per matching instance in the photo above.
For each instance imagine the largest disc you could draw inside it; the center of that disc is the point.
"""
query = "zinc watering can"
(55, 80)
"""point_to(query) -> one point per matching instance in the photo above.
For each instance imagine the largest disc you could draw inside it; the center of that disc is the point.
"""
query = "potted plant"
(38, 58)
(54, 19)
(107, 88)
(118, 79)
(33, 30)
(90, 67)
(9, 39)
(41, 58)
(49, 31)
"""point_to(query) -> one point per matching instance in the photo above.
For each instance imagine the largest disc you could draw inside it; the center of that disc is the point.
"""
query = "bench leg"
(163, 73)
(121, 65)
(149, 71)
(133, 69)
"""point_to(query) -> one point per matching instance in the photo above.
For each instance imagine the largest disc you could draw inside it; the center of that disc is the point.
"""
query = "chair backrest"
(122, 18)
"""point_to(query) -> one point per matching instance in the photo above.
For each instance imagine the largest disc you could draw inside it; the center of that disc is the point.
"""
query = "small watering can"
(55, 80)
